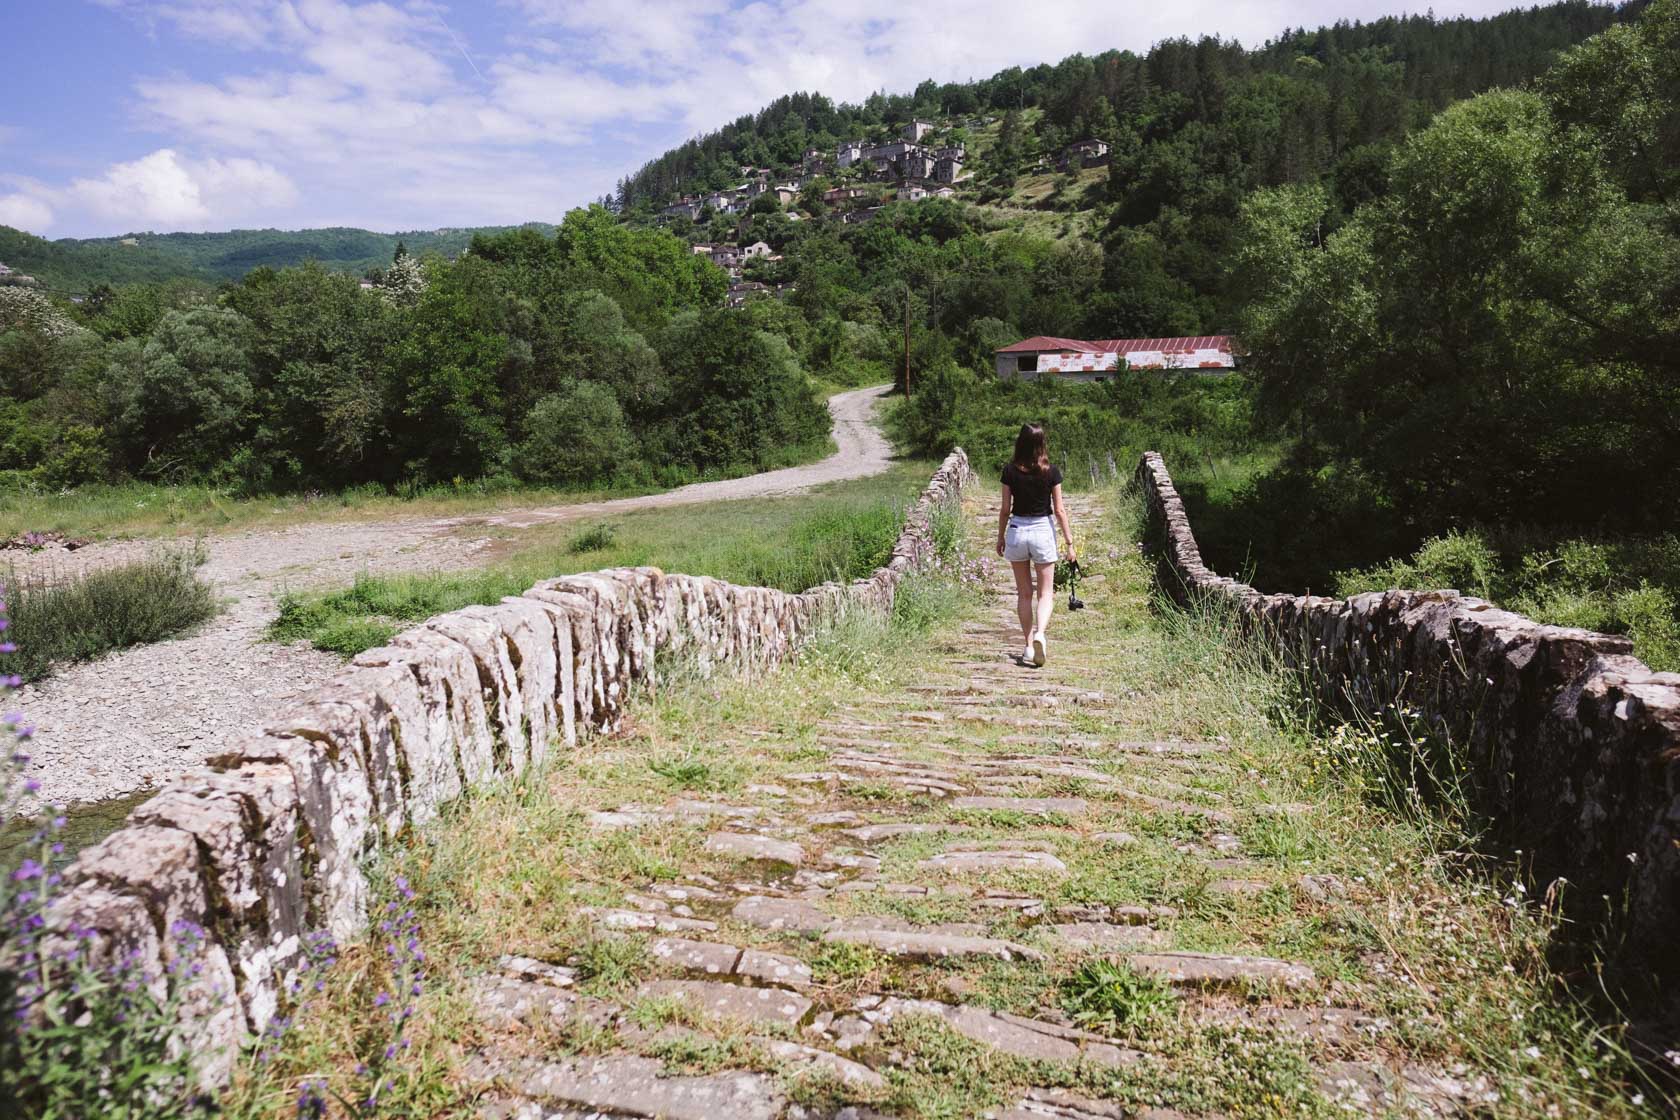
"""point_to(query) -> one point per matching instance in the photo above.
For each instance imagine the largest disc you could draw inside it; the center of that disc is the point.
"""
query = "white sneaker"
(1038, 650)
(1027, 654)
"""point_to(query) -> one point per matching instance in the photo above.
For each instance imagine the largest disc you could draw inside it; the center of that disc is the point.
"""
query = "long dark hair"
(1030, 454)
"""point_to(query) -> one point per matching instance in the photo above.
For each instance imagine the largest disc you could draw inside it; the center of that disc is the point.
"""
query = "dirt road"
(112, 726)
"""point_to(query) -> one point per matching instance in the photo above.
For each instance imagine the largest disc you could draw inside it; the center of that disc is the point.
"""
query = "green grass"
(78, 619)
(839, 532)
(1107, 996)
(146, 509)
(149, 509)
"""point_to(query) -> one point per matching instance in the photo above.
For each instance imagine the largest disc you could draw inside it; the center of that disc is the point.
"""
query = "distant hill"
(76, 265)
(1349, 83)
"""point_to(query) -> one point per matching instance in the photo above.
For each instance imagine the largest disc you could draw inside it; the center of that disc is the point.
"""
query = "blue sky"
(161, 115)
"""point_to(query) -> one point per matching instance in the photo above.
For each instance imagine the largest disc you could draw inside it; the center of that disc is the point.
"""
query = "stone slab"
(915, 945)
(776, 1006)
(628, 1085)
(959, 863)
(1039, 806)
(1217, 969)
(746, 845)
(789, 914)
(1108, 937)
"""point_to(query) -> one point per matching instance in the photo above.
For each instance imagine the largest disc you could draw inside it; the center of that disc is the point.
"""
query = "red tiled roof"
(1046, 344)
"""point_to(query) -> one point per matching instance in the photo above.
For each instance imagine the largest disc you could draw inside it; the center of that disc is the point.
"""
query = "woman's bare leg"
(1046, 595)
(1024, 597)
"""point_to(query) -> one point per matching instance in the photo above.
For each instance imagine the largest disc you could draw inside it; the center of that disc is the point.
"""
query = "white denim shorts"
(1030, 538)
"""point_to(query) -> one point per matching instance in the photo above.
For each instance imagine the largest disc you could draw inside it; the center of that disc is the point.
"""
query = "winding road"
(126, 722)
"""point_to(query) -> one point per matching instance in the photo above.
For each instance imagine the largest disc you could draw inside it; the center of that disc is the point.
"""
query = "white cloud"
(378, 109)
(165, 191)
(235, 23)
(25, 212)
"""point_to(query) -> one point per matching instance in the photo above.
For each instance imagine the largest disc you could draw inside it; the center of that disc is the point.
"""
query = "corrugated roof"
(1042, 343)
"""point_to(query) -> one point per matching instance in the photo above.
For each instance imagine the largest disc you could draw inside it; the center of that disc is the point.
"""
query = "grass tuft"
(1110, 998)
(108, 609)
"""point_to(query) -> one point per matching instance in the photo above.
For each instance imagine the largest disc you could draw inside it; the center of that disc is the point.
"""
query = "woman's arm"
(1003, 517)
(1061, 519)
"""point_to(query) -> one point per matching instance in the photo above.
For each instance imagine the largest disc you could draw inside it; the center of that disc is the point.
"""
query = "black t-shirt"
(1030, 490)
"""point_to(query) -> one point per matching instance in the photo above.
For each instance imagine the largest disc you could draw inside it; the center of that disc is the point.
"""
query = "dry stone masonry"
(1574, 743)
(269, 840)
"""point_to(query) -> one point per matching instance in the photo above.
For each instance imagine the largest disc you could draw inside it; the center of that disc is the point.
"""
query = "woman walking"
(1032, 493)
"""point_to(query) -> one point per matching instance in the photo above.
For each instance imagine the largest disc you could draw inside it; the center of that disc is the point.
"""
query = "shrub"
(596, 538)
(1650, 616)
(104, 610)
(575, 435)
(1627, 585)
(1463, 561)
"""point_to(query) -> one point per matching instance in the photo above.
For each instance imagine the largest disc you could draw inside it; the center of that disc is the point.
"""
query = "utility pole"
(907, 340)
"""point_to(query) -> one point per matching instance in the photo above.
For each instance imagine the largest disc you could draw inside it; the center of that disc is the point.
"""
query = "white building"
(1099, 359)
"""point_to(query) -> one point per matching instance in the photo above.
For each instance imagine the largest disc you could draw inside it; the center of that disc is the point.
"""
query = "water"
(88, 822)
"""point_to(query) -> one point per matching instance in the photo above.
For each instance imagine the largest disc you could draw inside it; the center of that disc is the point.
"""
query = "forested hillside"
(1193, 127)
(79, 265)
(1349, 84)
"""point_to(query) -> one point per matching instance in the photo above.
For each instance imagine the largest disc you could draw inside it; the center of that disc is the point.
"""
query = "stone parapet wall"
(1573, 744)
(269, 840)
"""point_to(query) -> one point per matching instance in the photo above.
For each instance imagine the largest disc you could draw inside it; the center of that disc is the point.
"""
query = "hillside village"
(9, 275)
(925, 159)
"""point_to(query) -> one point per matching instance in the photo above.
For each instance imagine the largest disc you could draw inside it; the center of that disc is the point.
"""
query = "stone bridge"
(897, 918)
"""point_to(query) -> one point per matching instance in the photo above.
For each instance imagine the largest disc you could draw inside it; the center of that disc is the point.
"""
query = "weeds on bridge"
(1424, 927)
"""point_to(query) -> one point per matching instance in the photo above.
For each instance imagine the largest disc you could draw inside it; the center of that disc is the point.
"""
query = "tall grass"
(841, 533)
(97, 612)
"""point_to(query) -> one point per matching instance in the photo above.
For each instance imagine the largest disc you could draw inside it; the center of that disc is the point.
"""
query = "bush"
(104, 610)
(1628, 585)
(575, 435)
(1463, 561)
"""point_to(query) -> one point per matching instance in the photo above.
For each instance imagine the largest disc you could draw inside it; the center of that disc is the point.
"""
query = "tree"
(575, 435)
(737, 394)
(315, 362)
(185, 396)
(444, 385)
(648, 273)
(1486, 339)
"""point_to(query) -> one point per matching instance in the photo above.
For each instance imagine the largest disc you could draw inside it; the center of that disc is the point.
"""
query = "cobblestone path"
(988, 891)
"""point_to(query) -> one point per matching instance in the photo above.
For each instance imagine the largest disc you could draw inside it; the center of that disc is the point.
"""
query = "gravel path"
(131, 720)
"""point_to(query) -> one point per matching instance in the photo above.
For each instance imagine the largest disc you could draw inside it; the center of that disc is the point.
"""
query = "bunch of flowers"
(395, 1002)
(79, 1035)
